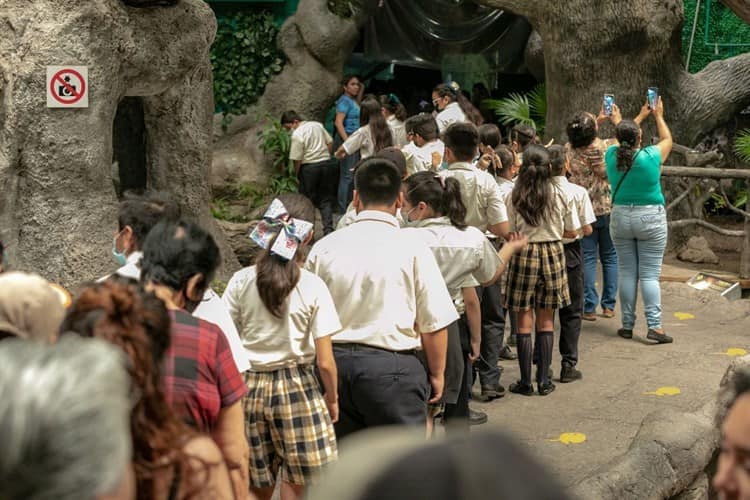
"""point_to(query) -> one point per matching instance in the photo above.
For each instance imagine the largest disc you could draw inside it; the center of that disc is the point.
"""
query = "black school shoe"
(521, 388)
(545, 389)
(659, 338)
(569, 374)
(625, 333)
(490, 393)
(508, 354)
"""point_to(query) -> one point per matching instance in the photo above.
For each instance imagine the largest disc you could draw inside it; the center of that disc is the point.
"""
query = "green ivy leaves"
(244, 58)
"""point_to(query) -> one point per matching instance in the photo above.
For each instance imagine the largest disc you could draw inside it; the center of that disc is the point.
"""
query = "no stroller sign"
(67, 87)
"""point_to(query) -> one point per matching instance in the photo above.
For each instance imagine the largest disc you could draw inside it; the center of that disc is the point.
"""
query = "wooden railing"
(715, 173)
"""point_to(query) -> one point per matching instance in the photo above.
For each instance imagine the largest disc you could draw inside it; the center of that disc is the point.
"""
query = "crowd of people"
(149, 383)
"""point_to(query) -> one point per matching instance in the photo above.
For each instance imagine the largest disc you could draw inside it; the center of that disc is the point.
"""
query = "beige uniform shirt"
(450, 115)
(398, 131)
(581, 201)
(564, 217)
(360, 140)
(310, 142)
(506, 189)
(386, 284)
(271, 343)
(422, 156)
(465, 257)
(481, 195)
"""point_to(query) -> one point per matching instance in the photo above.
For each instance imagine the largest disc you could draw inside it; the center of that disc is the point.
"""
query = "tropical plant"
(244, 58)
(277, 142)
(742, 145)
(529, 108)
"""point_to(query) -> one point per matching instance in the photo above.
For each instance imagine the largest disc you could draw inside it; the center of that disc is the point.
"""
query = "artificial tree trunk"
(622, 47)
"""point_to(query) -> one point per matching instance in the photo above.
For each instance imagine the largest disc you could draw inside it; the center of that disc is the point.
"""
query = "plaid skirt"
(287, 425)
(537, 278)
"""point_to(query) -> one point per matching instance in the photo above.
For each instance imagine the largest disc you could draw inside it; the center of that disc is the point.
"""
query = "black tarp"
(455, 36)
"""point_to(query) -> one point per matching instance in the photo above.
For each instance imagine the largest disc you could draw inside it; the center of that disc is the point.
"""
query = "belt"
(365, 347)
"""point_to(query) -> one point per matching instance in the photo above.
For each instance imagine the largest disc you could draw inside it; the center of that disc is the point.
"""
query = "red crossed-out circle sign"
(72, 91)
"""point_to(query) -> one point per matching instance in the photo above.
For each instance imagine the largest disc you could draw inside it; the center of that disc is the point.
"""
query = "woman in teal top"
(639, 219)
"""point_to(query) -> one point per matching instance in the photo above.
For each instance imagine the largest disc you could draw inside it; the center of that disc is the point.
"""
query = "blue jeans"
(346, 178)
(598, 246)
(640, 237)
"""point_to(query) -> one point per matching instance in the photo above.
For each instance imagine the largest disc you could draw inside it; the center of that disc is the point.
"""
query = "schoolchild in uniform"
(436, 214)
(425, 151)
(286, 317)
(395, 116)
(537, 282)
(392, 302)
(486, 211)
(372, 135)
(317, 172)
(489, 139)
(570, 316)
(453, 107)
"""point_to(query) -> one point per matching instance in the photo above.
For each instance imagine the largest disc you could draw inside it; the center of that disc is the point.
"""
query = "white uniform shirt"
(466, 258)
(360, 140)
(450, 115)
(563, 217)
(385, 283)
(351, 216)
(422, 156)
(211, 309)
(310, 142)
(481, 195)
(581, 200)
(506, 189)
(270, 342)
(398, 131)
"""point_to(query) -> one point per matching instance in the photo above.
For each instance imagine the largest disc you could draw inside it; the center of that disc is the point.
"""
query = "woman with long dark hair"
(639, 219)
(171, 460)
(346, 122)
(587, 169)
(453, 106)
(433, 207)
(537, 282)
(395, 116)
(285, 316)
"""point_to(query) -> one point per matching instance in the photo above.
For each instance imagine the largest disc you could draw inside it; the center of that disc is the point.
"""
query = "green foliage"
(530, 108)
(724, 27)
(244, 58)
(219, 286)
(276, 142)
(220, 209)
(742, 145)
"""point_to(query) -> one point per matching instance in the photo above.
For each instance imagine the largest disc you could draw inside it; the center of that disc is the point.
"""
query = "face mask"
(407, 219)
(120, 258)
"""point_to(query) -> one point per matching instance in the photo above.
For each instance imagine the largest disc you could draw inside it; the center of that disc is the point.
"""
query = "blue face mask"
(120, 258)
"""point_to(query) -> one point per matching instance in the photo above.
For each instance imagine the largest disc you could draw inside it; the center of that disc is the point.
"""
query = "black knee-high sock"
(525, 351)
(546, 342)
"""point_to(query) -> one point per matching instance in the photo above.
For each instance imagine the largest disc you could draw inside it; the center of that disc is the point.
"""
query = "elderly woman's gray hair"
(64, 421)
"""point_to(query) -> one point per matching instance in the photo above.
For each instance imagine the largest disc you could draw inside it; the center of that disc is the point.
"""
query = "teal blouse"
(642, 186)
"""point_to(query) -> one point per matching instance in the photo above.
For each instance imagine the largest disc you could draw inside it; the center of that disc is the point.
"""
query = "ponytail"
(627, 133)
(276, 277)
(532, 193)
(507, 159)
(453, 91)
(394, 106)
(441, 194)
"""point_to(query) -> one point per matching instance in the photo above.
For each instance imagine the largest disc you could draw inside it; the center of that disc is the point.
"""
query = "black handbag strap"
(619, 183)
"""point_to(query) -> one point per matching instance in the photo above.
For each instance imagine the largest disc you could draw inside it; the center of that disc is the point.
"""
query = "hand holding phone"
(609, 101)
(653, 97)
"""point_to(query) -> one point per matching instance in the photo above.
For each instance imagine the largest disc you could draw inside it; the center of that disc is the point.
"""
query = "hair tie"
(291, 231)
(441, 179)
(393, 99)
(625, 144)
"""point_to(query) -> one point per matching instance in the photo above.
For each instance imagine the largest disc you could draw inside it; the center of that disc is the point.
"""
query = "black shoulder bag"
(619, 183)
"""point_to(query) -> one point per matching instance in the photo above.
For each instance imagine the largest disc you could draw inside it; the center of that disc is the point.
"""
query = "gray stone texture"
(697, 250)
(57, 197)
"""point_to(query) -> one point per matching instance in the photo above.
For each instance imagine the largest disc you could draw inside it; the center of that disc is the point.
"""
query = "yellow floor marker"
(570, 438)
(664, 391)
(683, 316)
(735, 351)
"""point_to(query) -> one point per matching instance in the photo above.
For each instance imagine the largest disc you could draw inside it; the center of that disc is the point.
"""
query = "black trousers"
(319, 182)
(570, 316)
(379, 387)
(457, 415)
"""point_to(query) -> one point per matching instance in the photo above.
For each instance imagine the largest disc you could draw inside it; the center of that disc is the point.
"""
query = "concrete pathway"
(622, 380)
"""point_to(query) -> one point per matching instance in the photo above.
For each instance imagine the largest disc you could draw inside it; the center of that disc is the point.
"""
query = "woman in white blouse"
(395, 116)
(453, 106)
(372, 135)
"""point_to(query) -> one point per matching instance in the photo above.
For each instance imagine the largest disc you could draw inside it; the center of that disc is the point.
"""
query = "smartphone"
(653, 97)
(609, 101)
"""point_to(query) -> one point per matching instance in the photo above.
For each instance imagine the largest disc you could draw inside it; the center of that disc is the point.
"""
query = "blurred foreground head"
(64, 421)
(389, 463)
(30, 307)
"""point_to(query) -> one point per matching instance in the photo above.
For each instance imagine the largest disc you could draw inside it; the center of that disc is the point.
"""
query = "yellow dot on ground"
(681, 316)
(735, 351)
(664, 391)
(570, 438)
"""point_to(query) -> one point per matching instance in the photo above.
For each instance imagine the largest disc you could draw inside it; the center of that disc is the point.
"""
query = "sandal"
(608, 313)
(588, 316)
